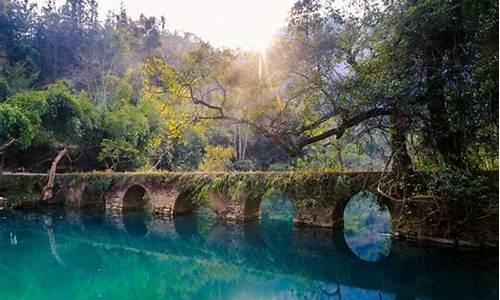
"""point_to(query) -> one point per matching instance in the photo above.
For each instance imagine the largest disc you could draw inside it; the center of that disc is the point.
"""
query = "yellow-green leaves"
(216, 158)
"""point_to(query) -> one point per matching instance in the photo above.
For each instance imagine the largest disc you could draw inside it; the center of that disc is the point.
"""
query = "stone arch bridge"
(318, 198)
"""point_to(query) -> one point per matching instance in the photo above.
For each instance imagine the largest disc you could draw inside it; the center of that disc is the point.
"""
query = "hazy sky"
(229, 23)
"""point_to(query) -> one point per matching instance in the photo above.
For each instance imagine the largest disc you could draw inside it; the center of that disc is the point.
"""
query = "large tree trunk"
(47, 190)
(401, 165)
(447, 138)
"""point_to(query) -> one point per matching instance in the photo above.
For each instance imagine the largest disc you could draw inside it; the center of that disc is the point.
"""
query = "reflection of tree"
(152, 274)
(111, 264)
(47, 220)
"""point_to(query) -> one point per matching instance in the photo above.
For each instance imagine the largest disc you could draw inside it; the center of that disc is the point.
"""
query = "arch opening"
(367, 227)
(275, 206)
(194, 216)
(136, 198)
(189, 202)
(136, 211)
(276, 220)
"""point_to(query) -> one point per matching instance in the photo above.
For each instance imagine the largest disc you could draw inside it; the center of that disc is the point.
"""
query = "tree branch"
(7, 144)
(346, 124)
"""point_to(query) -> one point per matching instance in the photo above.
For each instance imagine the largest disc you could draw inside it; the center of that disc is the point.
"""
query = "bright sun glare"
(261, 44)
(249, 24)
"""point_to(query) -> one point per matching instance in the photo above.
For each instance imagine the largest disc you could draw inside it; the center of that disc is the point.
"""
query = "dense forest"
(406, 85)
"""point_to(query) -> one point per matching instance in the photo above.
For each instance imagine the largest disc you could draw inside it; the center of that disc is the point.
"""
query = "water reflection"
(136, 222)
(190, 258)
(193, 227)
(367, 227)
(277, 212)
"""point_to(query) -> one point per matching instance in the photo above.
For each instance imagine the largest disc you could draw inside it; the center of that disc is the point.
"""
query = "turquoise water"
(84, 254)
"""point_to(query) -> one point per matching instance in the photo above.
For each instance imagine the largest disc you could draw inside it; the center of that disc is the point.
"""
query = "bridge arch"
(148, 192)
(136, 197)
(253, 207)
(184, 203)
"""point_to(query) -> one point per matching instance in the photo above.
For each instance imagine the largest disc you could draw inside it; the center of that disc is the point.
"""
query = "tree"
(14, 126)
(21, 120)
(427, 60)
(54, 118)
(116, 152)
(331, 73)
(233, 93)
(17, 38)
(216, 158)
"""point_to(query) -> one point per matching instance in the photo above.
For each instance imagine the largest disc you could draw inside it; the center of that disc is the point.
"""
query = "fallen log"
(47, 192)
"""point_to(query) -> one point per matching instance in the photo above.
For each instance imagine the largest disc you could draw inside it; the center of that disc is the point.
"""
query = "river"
(60, 253)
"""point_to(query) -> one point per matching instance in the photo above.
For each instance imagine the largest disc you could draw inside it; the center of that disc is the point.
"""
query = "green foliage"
(62, 118)
(116, 153)
(33, 103)
(20, 77)
(89, 115)
(129, 135)
(51, 119)
(4, 88)
(216, 158)
(15, 124)
(121, 91)
(128, 123)
(143, 98)
(318, 159)
(183, 153)
(459, 186)
(448, 100)
(21, 117)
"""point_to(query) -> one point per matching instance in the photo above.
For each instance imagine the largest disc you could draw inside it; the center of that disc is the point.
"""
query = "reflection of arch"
(93, 217)
(252, 235)
(136, 223)
(135, 198)
(190, 227)
(367, 225)
(275, 228)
